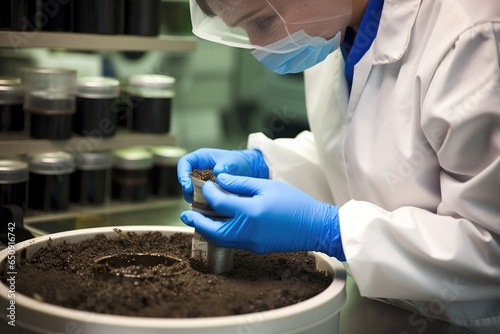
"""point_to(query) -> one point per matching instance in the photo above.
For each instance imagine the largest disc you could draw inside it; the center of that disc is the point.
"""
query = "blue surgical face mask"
(296, 52)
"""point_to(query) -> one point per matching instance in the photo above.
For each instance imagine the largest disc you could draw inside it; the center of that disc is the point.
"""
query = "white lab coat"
(412, 156)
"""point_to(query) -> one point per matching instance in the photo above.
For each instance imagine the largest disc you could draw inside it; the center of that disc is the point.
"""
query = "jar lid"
(98, 87)
(50, 103)
(49, 79)
(10, 81)
(132, 158)
(13, 171)
(94, 161)
(167, 155)
(52, 163)
(151, 86)
(11, 94)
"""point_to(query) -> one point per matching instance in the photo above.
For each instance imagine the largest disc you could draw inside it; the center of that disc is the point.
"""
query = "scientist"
(399, 175)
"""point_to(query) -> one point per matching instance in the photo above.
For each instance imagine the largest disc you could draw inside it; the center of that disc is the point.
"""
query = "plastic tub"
(317, 315)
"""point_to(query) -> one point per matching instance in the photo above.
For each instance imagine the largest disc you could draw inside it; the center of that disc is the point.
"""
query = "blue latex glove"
(237, 162)
(267, 216)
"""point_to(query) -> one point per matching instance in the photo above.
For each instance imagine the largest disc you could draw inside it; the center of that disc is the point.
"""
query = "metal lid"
(11, 95)
(167, 155)
(49, 79)
(52, 163)
(151, 86)
(94, 161)
(132, 158)
(13, 171)
(10, 81)
(98, 88)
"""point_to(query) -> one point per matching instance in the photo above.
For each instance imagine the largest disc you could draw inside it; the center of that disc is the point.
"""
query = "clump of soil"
(198, 202)
(63, 274)
(204, 175)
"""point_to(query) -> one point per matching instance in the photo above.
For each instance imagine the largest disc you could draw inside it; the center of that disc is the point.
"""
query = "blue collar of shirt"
(355, 45)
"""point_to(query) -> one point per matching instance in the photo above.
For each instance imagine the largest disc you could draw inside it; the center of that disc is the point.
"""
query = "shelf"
(10, 145)
(154, 211)
(90, 42)
(89, 214)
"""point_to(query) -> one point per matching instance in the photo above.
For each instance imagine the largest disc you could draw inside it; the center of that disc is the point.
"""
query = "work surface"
(365, 316)
(359, 316)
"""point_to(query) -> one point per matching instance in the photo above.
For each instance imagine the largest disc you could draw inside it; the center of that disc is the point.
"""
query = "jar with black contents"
(55, 15)
(6, 16)
(14, 175)
(152, 96)
(163, 177)
(25, 14)
(98, 16)
(130, 174)
(142, 17)
(11, 105)
(50, 101)
(91, 181)
(96, 106)
(49, 185)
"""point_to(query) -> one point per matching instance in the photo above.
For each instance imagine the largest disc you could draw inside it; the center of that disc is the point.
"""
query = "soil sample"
(64, 275)
(199, 177)
(204, 175)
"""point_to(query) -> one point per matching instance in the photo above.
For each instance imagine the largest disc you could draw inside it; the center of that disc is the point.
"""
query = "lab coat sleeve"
(452, 254)
(294, 161)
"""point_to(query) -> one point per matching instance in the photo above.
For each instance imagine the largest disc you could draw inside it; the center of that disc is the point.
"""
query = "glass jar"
(6, 16)
(152, 96)
(49, 185)
(96, 106)
(91, 181)
(50, 101)
(24, 14)
(14, 175)
(11, 104)
(130, 174)
(163, 176)
(142, 17)
(98, 16)
(55, 15)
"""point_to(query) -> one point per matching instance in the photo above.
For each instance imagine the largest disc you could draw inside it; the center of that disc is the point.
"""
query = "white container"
(317, 315)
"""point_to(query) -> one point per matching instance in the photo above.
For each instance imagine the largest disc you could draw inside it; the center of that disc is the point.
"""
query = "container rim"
(131, 324)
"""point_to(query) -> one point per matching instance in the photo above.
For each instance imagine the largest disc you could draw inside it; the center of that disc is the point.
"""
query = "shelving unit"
(21, 144)
(78, 41)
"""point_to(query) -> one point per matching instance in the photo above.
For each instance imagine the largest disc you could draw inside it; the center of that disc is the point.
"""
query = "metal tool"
(209, 257)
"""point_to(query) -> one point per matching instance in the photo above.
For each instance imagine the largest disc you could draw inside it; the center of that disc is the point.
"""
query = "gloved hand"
(237, 162)
(267, 216)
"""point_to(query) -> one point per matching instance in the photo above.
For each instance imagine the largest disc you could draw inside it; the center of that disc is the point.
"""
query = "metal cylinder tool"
(211, 258)
(208, 257)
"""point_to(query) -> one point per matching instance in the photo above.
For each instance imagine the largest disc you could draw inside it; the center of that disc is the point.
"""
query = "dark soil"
(204, 175)
(64, 275)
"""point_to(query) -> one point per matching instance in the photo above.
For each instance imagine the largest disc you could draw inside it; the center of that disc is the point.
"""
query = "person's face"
(267, 21)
